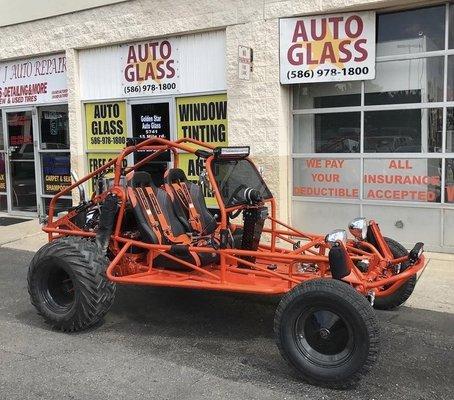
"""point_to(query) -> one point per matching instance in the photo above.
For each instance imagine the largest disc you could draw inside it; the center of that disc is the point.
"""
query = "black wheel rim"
(324, 337)
(57, 288)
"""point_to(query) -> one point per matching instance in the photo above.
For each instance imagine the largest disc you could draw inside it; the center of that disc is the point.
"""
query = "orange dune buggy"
(153, 229)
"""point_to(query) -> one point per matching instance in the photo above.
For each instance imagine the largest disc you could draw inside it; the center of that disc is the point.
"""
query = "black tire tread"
(344, 291)
(401, 295)
(96, 292)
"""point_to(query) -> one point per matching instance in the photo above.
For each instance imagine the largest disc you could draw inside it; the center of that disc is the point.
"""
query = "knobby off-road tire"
(401, 295)
(327, 332)
(68, 285)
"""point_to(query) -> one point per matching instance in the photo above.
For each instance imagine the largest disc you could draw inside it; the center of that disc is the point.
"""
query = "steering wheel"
(235, 193)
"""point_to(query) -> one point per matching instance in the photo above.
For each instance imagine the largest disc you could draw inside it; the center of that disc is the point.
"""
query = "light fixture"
(358, 228)
(335, 236)
(231, 153)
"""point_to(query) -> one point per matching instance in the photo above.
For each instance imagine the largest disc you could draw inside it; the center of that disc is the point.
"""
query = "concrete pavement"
(159, 343)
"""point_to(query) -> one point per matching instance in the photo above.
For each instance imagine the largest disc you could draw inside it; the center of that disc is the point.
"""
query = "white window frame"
(362, 108)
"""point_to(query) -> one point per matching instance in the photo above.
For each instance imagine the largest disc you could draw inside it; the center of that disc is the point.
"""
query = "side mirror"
(81, 188)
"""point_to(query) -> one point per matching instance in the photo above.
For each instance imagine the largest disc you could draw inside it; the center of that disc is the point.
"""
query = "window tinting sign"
(151, 120)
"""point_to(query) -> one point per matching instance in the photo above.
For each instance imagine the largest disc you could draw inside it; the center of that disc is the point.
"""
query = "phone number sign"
(150, 68)
(338, 47)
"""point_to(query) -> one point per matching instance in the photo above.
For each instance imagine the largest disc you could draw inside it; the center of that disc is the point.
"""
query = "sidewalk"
(433, 291)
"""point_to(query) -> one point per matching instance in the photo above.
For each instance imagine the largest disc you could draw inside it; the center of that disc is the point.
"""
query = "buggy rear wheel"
(67, 284)
(401, 295)
(328, 332)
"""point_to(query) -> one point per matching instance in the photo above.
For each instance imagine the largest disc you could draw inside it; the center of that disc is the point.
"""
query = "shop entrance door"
(20, 144)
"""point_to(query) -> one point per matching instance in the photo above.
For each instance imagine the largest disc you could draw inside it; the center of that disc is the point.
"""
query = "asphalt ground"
(159, 343)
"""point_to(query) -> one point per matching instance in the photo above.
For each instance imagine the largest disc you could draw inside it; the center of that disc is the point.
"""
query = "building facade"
(75, 85)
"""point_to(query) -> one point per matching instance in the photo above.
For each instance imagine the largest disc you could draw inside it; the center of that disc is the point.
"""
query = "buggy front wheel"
(327, 332)
(68, 285)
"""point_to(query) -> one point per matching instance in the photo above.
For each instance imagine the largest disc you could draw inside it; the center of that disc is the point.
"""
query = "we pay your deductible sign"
(338, 47)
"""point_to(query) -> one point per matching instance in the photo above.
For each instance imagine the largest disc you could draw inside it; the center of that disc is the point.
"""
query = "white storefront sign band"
(338, 47)
(150, 68)
(37, 80)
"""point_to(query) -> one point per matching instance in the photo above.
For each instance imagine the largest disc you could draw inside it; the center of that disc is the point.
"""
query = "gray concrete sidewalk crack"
(19, 239)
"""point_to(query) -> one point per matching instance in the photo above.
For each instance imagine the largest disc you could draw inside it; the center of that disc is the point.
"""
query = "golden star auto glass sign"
(150, 68)
(327, 48)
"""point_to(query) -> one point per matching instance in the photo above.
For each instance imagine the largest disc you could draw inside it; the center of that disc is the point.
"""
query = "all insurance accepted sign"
(338, 47)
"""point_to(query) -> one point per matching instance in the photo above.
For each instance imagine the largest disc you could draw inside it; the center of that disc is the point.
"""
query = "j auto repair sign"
(34, 80)
(338, 47)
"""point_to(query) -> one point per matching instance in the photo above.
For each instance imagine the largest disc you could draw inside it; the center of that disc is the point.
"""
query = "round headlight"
(358, 228)
(335, 236)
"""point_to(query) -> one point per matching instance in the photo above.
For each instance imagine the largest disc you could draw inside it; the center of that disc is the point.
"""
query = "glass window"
(406, 81)
(450, 93)
(320, 177)
(411, 31)
(54, 131)
(450, 130)
(3, 205)
(449, 180)
(323, 95)
(62, 205)
(451, 26)
(2, 173)
(2, 144)
(402, 179)
(327, 133)
(56, 172)
(403, 131)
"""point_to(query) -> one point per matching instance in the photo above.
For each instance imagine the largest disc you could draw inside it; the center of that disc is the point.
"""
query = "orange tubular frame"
(277, 269)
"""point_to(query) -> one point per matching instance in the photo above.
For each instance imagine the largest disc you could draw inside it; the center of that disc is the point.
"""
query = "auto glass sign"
(150, 68)
(34, 80)
(338, 47)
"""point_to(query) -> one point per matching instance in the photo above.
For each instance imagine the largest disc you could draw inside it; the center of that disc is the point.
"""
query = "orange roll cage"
(276, 269)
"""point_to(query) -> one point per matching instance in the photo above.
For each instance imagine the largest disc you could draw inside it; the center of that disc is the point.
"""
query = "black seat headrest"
(174, 175)
(141, 178)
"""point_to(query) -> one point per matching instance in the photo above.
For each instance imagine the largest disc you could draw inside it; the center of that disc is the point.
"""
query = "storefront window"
(327, 133)
(412, 31)
(405, 124)
(403, 131)
(56, 172)
(450, 130)
(2, 144)
(449, 185)
(450, 93)
(322, 177)
(323, 95)
(406, 81)
(416, 180)
(54, 127)
(2, 173)
(451, 26)
(3, 205)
